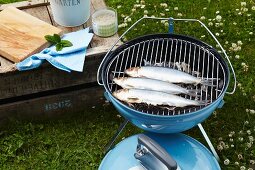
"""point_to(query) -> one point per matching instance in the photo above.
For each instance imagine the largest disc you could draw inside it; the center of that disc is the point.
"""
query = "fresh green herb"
(57, 37)
(60, 44)
(66, 43)
(59, 47)
(53, 39)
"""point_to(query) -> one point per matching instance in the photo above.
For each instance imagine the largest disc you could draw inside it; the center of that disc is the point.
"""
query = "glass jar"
(105, 22)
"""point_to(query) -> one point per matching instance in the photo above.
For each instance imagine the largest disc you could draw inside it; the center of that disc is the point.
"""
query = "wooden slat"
(4, 62)
(92, 10)
(97, 4)
(6, 65)
(39, 12)
(46, 78)
(54, 104)
(8, 68)
(106, 42)
(100, 50)
(25, 4)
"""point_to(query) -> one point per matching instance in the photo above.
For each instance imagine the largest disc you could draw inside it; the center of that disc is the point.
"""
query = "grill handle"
(224, 52)
(99, 71)
(152, 147)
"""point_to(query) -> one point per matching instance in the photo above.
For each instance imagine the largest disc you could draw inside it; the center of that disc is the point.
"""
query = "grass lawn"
(76, 140)
(8, 1)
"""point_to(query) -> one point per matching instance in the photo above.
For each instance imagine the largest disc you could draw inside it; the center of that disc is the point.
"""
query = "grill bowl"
(164, 124)
(167, 49)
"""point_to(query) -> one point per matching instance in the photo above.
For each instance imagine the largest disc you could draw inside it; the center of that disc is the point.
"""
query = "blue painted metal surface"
(186, 151)
(171, 25)
(165, 124)
(172, 123)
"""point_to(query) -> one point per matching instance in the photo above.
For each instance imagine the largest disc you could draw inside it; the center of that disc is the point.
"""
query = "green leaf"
(59, 47)
(50, 39)
(60, 44)
(57, 38)
(66, 43)
(53, 39)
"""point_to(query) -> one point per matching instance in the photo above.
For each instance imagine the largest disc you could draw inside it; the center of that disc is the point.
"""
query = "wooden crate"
(53, 104)
(32, 91)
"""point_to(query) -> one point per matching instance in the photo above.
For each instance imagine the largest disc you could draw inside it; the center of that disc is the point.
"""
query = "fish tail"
(194, 92)
(209, 82)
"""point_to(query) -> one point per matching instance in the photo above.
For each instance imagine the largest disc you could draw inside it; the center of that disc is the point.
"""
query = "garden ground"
(76, 140)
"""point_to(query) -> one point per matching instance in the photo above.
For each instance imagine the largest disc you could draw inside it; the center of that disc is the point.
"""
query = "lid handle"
(154, 148)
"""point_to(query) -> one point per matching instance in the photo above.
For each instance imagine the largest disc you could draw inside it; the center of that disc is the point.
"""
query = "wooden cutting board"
(22, 35)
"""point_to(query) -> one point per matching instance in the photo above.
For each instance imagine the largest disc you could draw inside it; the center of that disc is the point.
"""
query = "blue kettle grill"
(163, 146)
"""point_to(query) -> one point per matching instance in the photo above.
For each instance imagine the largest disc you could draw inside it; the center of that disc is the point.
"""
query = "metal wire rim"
(175, 45)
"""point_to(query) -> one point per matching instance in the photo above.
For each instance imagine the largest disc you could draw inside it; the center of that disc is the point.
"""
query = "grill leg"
(121, 127)
(209, 142)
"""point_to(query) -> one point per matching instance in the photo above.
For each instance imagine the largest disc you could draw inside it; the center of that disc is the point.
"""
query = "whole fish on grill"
(167, 74)
(182, 66)
(154, 98)
(153, 84)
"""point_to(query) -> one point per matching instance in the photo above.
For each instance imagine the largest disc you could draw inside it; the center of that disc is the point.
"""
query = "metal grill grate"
(174, 53)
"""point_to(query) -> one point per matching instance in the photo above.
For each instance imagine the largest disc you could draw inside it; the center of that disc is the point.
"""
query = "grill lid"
(188, 153)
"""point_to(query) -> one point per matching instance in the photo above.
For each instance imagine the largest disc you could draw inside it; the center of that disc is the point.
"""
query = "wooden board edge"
(25, 4)
(8, 69)
(100, 50)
